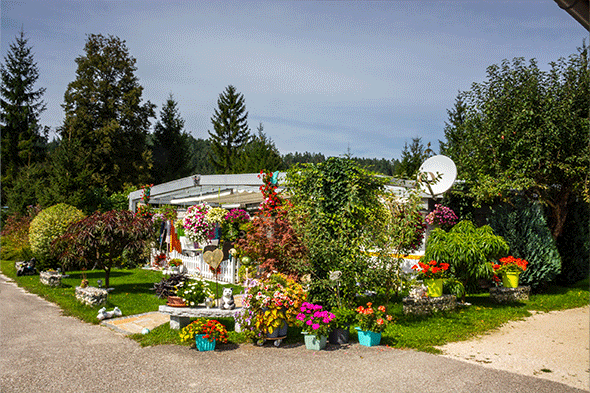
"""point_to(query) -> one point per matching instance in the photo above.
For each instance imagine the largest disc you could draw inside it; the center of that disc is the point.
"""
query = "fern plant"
(468, 250)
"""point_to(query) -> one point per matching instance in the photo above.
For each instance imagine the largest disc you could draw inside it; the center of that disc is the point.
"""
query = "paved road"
(44, 351)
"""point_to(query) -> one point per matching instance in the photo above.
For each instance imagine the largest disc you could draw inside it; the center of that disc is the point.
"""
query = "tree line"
(104, 147)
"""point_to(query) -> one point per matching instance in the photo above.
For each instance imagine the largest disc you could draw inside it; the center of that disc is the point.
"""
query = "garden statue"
(227, 300)
(104, 314)
(26, 268)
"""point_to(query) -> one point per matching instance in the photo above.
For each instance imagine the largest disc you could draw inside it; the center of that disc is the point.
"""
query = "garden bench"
(180, 316)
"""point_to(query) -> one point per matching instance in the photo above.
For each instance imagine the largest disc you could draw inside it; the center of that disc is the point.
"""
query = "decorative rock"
(429, 305)
(91, 296)
(510, 295)
(53, 279)
(104, 314)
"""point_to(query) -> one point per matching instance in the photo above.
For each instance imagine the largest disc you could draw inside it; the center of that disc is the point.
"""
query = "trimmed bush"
(468, 250)
(524, 228)
(47, 226)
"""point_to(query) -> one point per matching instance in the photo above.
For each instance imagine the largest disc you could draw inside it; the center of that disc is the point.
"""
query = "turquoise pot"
(368, 338)
(203, 344)
(312, 342)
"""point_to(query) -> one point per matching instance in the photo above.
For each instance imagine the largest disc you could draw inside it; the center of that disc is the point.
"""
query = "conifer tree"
(261, 153)
(231, 133)
(23, 138)
(170, 147)
(103, 111)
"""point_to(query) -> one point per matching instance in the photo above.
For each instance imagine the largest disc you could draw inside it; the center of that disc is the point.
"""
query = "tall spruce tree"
(170, 148)
(412, 157)
(23, 138)
(231, 133)
(103, 111)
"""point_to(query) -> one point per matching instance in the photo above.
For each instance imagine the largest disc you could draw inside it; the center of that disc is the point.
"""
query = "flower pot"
(368, 338)
(281, 331)
(203, 344)
(339, 336)
(510, 279)
(175, 301)
(312, 342)
(435, 287)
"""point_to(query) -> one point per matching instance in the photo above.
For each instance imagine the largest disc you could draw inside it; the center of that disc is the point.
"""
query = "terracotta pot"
(175, 301)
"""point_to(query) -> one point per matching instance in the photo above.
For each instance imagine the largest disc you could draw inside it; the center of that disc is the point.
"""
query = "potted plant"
(175, 265)
(509, 269)
(371, 322)
(340, 325)
(433, 273)
(315, 324)
(205, 332)
(441, 216)
(192, 292)
(196, 226)
(275, 302)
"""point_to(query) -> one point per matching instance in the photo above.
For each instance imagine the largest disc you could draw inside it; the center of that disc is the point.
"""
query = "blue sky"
(321, 76)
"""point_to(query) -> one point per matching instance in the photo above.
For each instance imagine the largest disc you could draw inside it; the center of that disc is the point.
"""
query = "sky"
(359, 77)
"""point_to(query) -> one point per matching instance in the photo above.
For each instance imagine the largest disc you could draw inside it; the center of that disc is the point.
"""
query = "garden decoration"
(371, 322)
(104, 314)
(196, 227)
(227, 300)
(213, 259)
(315, 324)
(205, 333)
(433, 273)
(509, 269)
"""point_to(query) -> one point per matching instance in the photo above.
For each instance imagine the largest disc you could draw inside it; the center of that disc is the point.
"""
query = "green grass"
(133, 296)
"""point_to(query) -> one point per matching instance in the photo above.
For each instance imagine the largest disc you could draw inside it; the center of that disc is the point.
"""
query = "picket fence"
(196, 265)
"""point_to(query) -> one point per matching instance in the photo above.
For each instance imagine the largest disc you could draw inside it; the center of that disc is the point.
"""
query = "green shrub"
(467, 250)
(47, 226)
(15, 235)
(524, 228)
(574, 244)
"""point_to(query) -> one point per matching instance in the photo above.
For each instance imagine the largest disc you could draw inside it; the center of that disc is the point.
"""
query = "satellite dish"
(438, 174)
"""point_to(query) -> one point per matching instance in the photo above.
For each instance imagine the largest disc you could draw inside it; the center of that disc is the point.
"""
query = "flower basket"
(368, 338)
(435, 287)
(314, 343)
(175, 301)
(510, 279)
(203, 344)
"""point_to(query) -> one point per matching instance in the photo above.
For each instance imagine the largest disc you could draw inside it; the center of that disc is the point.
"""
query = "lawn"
(133, 295)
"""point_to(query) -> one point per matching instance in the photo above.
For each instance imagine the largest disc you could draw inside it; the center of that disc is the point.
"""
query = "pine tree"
(260, 154)
(23, 139)
(231, 133)
(170, 149)
(103, 111)
(412, 157)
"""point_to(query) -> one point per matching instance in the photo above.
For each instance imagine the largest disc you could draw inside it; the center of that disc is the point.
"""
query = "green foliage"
(170, 149)
(105, 240)
(198, 159)
(47, 226)
(412, 157)
(103, 111)
(23, 139)
(230, 131)
(15, 235)
(336, 205)
(523, 227)
(574, 244)
(527, 130)
(259, 154)
(468, 250)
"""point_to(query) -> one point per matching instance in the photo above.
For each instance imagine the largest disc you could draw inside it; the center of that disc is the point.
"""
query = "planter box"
(312, 342)
(92, 296)
(53, 279)
(368, 338)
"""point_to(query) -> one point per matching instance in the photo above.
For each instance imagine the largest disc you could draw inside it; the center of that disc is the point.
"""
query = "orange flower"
(380, 321)
(389, 317)
(369, 304)
(381, 308)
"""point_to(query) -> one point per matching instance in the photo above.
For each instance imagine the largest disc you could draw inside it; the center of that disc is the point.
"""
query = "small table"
(180, 316)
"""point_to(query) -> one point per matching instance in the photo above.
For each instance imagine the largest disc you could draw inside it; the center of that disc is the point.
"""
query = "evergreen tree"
(198, 157)
(170, 150)
(23, 139)
(412, 157)
(103, 111)
(291, 159)
(231, 133)
(260, 154)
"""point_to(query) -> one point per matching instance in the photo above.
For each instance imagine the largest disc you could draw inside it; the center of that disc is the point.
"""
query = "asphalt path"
(43, 351)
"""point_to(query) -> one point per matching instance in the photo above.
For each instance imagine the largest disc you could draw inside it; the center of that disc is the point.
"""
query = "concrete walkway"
(43, 351)
(136, 323)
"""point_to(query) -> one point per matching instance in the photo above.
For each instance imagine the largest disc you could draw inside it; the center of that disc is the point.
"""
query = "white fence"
(196, 265)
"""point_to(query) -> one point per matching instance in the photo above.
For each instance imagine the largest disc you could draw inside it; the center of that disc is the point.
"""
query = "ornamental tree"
(525, 130)
(105, 240)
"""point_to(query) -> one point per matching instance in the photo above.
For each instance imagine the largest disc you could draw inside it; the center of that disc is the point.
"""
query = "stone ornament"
(104, 314)
(213, 258)
(227, 300)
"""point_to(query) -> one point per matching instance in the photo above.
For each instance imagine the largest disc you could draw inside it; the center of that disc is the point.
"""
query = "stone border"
(429, 305)
(503, 295)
